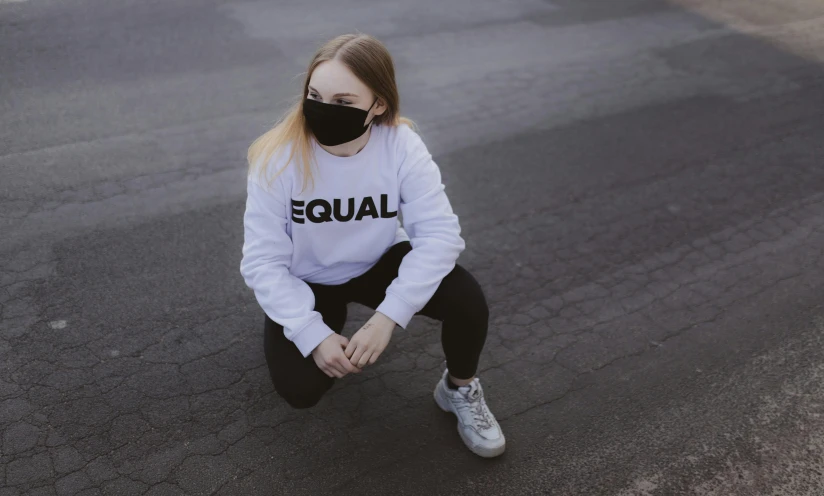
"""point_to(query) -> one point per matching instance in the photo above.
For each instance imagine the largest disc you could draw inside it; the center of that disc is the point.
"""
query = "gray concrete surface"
(642, 194)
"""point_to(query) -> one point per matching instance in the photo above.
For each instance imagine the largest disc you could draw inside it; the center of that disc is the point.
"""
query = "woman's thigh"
(459, 295)
(369, 289)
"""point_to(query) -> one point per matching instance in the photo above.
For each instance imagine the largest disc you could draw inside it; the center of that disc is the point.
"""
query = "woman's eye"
(343, 102)
(314, 96)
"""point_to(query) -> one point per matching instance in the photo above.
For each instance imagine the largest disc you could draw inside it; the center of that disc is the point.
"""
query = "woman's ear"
(380, 107)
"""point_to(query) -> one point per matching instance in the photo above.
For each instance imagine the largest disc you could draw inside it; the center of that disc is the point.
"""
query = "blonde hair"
(371, 62)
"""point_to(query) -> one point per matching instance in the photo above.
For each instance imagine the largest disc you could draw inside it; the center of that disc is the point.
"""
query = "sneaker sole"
(478, 450)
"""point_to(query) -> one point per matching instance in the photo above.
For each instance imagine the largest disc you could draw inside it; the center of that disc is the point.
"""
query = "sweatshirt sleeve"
(267, 256)
(433, 229)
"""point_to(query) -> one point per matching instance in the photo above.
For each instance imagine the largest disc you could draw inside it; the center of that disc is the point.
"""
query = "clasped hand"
(337, 356)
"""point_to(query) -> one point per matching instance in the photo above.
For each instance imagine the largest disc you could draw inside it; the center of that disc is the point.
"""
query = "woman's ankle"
(452, 381)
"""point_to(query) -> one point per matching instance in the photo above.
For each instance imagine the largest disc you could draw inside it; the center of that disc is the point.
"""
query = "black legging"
(458, 302)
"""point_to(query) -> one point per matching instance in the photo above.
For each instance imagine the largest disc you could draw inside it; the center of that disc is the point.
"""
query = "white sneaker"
(476, 424)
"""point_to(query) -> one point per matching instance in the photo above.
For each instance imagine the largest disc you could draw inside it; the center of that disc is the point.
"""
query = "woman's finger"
(341, 371)
(347, 366)
(364, 359)
(374, 357)
(332, 372)
(358, 355)
(350, 348)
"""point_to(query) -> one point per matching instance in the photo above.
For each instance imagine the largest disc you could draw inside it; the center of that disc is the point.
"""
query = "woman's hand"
(330, 358)
(369, 342)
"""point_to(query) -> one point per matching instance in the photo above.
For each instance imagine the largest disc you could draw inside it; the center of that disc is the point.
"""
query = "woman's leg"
(298, 380)
(461, 305)
(458, 302)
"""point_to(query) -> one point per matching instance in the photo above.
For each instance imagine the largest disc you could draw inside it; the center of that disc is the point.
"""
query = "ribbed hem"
(311, 336)
(397, 309)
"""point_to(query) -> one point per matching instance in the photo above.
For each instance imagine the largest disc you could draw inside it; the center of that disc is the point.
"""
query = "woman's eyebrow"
(337, 95)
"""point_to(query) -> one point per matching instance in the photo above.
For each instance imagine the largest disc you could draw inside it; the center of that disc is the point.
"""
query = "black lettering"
(350, 211)
(385, 213)
(297, 212)
(325, 214)
(367, 208)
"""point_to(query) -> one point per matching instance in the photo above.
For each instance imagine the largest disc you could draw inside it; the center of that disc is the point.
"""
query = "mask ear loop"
(370, 109)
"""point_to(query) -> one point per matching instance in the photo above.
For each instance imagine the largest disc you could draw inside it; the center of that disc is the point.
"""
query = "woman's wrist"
(386, 319)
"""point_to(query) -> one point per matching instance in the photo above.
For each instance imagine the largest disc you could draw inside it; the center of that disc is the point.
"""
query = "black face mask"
(334, 125)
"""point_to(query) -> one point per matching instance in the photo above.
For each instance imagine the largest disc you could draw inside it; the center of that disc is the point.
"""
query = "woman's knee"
(301, 401)
(481, 308)
(468, 301)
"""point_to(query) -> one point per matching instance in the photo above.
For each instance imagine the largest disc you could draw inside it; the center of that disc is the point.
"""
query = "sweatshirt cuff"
(311, 336)
(397, 309)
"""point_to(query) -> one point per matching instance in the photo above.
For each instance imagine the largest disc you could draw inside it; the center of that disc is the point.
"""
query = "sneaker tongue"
(471, 390)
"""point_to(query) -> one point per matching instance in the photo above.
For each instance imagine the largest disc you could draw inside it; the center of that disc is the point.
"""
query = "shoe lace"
(477, 406)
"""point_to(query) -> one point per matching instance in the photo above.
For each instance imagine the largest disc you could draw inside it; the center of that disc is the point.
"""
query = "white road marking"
(55, 324)
(12, 1)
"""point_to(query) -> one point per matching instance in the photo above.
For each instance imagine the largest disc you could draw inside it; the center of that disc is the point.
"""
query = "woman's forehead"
(333, 76)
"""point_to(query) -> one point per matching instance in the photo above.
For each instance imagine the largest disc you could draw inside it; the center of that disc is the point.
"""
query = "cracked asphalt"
(640, 186)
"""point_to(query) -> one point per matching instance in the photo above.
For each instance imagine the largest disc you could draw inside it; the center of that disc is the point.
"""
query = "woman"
(322, 229)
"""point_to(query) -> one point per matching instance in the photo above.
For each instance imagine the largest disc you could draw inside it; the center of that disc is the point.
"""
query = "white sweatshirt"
(339, 229)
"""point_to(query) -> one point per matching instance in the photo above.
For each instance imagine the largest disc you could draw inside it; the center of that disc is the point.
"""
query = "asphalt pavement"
(640, 185)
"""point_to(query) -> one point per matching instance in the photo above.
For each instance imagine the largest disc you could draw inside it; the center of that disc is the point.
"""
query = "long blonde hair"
(371, 62)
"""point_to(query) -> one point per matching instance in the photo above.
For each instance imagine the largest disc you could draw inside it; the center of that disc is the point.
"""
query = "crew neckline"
(352, 159)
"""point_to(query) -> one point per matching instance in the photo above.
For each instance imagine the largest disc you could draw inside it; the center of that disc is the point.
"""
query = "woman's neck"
(351, 148)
